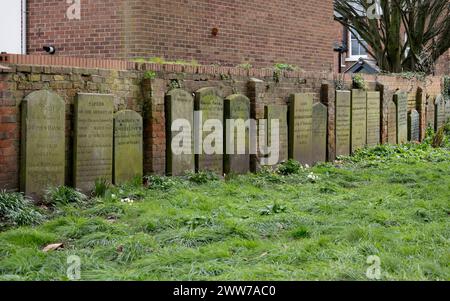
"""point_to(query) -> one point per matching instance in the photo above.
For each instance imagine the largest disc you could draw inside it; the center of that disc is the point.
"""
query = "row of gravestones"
(358, 120)
(441, 113)
(302, 130)
(106, 145)
(110, 146)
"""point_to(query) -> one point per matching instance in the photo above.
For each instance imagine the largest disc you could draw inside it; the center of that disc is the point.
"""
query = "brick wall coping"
(122, 65)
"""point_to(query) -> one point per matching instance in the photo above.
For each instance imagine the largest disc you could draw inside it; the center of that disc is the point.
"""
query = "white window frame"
(352, 57)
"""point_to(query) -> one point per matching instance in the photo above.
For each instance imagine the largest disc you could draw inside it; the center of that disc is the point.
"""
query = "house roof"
(368, 66)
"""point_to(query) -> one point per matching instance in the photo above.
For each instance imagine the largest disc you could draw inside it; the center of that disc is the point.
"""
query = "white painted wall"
(12, 29)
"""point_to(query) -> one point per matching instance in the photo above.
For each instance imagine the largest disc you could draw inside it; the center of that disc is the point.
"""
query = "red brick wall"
(261, 32)
(99, 33)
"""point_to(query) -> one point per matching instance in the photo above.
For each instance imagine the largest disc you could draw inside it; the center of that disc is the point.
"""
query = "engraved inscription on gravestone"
(93, 143)
(319, 133)
(180, 106)
(278, 112)
(373, 118)
(439, 112)
(429, 112)
(359, 119)
(42, 143)
(210, 103)
(343, 109)
(128, 150)
(392, 123)
(300, 128)
(237, 160)
(401, 101)
(413, 126)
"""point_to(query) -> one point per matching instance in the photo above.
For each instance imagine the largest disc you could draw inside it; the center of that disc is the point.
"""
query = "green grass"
(392, 202)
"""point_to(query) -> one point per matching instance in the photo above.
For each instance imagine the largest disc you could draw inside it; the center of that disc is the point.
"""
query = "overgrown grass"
(392, 202)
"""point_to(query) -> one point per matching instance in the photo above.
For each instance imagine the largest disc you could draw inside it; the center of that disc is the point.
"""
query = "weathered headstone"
(401, 101)
(93, 143)
(373, 118)
(43, 143)
(359, 119)
(414, 126)
(179, 108)
(343, 112)
(128, 149)
(300, 128)
(210, 103)
(439, 111)
(237, 146)
(319, 133)
(447, 110)
(278, 112)
(429, 113)
(392, 123)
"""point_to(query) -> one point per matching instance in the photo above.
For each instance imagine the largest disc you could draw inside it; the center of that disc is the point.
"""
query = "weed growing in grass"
(63, 195)
(160, 183)
(101, 188)
(202, 177)
(289, 167)
(16, 210)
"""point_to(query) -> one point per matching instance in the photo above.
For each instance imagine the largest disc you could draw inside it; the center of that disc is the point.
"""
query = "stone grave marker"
(373, 118)
(128, 146)
(343, 113)
(392, 123)
(237, 146)
(93, 143)
(447, 110)
(180, 106)
(429, 113)
(439, 112)
(319, 133)
(278, 112)
(414, 126)
(42, 143)
(359, 119)
(401, 101)
(300, 128)
(211, 104)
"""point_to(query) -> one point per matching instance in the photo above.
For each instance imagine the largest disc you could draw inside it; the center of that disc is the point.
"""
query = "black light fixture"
(50, 49)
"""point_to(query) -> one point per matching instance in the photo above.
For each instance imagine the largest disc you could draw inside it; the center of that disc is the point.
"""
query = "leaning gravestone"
(128, 149)
(210, 103)
(359, 119)
(414, 126)
(93, 143)
(392, 123)
(180, 109)
(300, 128)
(43, 143)
(319, 133)
(278, 112)
(401, 100)
(237, 146)
(373, 118)
(439, 112)
(343, 109)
